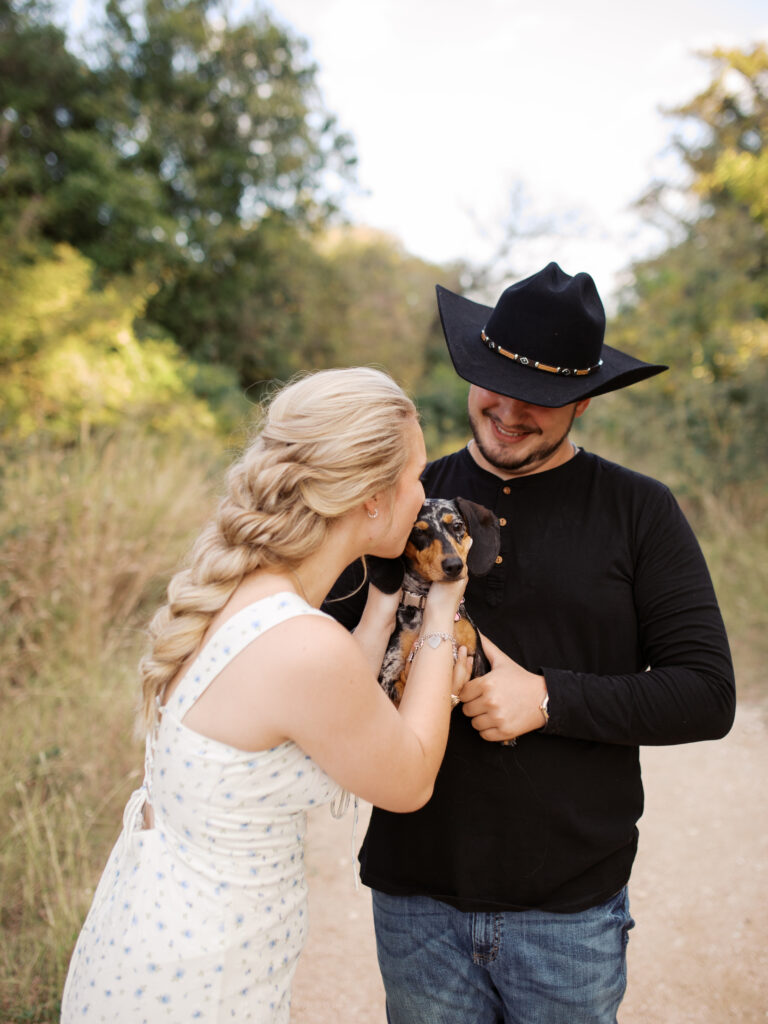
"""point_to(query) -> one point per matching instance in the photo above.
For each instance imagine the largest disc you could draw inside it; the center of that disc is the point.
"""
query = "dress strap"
(338, 807)
(225, 644)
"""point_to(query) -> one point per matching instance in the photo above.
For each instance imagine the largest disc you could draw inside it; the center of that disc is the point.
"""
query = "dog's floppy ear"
(483, 528)
(385, 573)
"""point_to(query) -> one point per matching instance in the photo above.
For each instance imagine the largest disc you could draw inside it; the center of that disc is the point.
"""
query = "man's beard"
(511, 462)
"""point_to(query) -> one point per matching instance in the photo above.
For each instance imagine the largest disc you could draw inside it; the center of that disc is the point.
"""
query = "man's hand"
(505, 702)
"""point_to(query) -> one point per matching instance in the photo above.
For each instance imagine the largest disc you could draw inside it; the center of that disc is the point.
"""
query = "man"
(504, 898)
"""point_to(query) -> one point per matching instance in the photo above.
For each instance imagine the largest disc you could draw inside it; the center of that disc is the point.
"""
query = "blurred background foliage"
(171, 243)
(701, 304)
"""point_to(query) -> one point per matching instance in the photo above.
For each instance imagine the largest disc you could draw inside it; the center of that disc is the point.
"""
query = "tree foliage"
(225, 117)
(194, 147)
(175, 194)
(701, 305)
(70, 360)
(728, 155)
(60, 175)
(204, 123)
(387, 300)
(193, 167)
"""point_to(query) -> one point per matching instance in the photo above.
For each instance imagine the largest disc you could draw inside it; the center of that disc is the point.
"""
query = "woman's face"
(401, 505)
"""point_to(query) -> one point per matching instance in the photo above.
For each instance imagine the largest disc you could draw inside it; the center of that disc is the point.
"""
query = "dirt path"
(699, 892)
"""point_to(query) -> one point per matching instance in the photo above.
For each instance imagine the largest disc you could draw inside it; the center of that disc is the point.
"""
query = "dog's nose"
(452, 567)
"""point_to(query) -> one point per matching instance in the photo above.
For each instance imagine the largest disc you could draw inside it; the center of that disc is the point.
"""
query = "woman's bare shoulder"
(319, 637)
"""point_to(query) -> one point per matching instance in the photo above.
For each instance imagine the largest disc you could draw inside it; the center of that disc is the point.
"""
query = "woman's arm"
(376, 624)
(327, 699)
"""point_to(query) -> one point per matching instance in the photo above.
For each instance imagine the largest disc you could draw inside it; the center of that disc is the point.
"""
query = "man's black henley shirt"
(602, 587)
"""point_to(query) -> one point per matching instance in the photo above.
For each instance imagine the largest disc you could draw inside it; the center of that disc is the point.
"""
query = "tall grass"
(88, 538)
(733, 529)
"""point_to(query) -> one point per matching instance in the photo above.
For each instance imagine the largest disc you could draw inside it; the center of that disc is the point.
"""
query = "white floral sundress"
(203, 917)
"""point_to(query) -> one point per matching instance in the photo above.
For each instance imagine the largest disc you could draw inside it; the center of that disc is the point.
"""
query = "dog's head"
(447, 535)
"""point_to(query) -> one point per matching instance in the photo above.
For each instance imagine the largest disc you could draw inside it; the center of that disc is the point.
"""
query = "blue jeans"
(445, 966)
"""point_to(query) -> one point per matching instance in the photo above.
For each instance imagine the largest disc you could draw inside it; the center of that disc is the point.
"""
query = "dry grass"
(733, 528)
(87, 540)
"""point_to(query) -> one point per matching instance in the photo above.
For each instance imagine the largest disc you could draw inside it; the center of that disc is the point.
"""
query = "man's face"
(514, 438)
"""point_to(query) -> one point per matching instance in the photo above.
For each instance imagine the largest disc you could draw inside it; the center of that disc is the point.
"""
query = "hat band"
(534, 363)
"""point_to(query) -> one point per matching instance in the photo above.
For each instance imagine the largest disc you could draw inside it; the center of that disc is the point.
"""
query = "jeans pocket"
(618, 909)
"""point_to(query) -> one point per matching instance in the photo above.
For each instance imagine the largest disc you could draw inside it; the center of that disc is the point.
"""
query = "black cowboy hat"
(541, 343)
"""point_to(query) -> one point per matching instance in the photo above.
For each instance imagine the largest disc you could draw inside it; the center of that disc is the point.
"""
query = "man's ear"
(483, 527)
(581, 407)
(385, 573)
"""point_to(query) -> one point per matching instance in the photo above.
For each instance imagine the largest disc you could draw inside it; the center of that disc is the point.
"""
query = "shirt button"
(502, 521)
(506, 490)
(499, 559)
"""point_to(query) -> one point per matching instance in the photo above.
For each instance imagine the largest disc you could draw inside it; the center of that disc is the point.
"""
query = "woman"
(258, 706)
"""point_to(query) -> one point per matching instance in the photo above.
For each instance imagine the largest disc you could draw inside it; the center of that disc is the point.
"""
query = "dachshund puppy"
(447, 538)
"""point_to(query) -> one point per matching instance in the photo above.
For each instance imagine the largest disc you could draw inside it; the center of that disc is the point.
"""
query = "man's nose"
(512, 408)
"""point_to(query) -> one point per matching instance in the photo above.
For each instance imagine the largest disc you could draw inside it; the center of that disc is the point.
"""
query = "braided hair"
(326, 443)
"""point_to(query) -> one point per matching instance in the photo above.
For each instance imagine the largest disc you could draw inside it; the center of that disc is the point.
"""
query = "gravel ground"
(699, 953)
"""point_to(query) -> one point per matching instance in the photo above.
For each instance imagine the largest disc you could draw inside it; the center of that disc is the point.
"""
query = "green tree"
(387, 316)
(268, 305)
(183, 126)
(728, 153)
(226, 117)
(61, 178)
(387, 300)
(190, 145)
(70, 361)
(701, 305)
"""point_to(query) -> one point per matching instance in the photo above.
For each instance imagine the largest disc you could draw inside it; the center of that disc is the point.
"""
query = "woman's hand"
(381, 609)
(376, 625)
(443, 600)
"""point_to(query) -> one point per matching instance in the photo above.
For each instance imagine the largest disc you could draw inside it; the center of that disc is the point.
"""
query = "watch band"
(544, 709)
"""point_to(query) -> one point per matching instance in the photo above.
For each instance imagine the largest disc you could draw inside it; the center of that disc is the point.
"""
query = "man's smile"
(512, 433)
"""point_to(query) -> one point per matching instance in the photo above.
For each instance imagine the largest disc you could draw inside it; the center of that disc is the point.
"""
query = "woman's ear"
(371, 506)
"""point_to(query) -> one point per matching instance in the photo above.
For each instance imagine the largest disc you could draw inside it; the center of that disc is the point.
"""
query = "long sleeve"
(601, 584)
(687, 691)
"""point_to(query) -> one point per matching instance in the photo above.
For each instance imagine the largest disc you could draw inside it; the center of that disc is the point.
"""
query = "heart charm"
(434, 641)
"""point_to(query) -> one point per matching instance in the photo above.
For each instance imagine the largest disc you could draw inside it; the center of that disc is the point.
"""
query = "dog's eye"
(456, 526)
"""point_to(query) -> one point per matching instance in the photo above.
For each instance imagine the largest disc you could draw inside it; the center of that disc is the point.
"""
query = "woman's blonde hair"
(327, 442)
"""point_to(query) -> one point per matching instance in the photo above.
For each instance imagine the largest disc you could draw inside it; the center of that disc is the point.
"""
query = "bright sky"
(455, 104)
